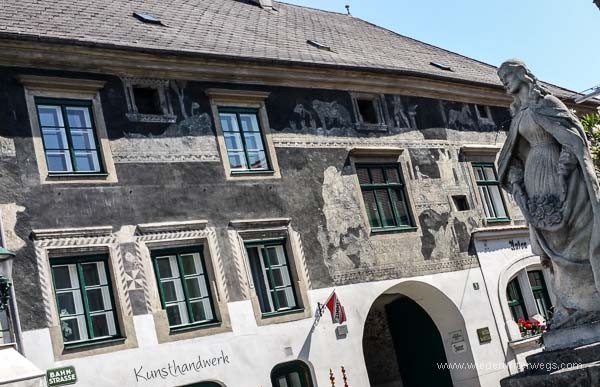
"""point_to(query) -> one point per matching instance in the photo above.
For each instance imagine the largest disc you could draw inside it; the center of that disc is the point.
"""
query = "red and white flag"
(338, 314)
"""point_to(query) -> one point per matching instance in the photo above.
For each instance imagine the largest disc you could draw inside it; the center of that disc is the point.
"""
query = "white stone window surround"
(241, 231)
(519, 269)
(156, 236)
(162, 89)
(68, 88)
(378, 101)
(77, 242)
(226, 98)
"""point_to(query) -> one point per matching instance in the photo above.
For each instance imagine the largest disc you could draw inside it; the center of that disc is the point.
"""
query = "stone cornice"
(181, 65)
(36, 82)
(501, 232)
(20, 53)
(154, 228)
(82, 232)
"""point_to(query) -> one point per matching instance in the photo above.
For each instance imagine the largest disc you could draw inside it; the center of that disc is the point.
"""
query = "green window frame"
(272, 276)
(490, 193)
(244, 140)
(69, 136)
(84, 298)
(184, 287)
(515, 300)
(384, 196)
(540, 293)
(292, 374)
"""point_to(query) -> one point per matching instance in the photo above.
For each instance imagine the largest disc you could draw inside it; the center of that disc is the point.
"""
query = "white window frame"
(256, 230)
(223, 98)
(68, 88)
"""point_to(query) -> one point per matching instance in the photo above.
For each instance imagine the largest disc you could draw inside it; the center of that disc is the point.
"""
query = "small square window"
(460, 202)
(368, 111)
(147, 100)
(483, 112)
(84, 298)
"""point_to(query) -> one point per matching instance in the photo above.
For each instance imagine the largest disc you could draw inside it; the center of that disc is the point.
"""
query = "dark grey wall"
(152, 191)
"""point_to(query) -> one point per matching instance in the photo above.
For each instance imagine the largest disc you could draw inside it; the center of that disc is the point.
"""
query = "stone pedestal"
(572, 367)
(572, 337)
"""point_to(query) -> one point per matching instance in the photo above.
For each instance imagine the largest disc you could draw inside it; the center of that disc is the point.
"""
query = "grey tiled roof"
(237, 29)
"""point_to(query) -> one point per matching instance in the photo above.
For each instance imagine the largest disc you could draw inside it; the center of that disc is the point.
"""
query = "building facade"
(183, 198)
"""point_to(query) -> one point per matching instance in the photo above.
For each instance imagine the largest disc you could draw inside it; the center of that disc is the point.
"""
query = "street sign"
(61, 376)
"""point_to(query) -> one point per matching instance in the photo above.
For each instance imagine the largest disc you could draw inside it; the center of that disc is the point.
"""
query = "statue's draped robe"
(574, 248)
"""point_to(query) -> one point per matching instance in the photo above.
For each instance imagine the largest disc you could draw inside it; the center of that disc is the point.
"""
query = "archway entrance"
(407, 335)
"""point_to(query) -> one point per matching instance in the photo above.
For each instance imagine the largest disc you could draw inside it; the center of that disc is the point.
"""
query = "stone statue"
(546, 165)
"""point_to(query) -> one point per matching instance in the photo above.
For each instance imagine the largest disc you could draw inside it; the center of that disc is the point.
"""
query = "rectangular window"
(243, 140)
(84, 298)
(540, 293)
(489, 191)
(68, 135)
(272, 277)
(515, 300)
(384, 196)
(184, 286)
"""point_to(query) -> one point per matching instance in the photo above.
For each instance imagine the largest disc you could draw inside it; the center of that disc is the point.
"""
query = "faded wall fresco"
(172, 172)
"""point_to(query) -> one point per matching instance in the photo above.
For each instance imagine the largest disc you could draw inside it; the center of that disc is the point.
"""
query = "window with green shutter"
(244, 140)
(272, 277)
(84, 298)
(515, 300)
(69, 136)
(184, 287)
(489, 192)
(384, 196)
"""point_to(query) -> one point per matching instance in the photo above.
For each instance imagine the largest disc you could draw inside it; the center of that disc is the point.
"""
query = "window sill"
(191, 327)
(53, 175)
(94, 343)
(252, 172)
(283, 313)
(365, 127)
(497, 220)
(392, 230)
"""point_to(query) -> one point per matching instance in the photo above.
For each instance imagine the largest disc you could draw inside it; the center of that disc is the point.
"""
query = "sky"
(558, 39)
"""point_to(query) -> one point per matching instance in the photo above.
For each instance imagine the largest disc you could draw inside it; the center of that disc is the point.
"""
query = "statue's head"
(515, 75)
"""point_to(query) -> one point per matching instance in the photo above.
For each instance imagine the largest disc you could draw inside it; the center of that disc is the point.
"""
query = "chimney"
(266, 4)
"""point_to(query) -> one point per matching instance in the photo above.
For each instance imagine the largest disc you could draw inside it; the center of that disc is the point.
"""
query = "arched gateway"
(411, 330)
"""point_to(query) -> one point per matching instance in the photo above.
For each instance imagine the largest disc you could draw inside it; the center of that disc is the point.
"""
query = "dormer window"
(368, 112)
(148, 100)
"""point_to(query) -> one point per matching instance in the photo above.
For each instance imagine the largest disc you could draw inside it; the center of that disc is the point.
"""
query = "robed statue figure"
(547, 167)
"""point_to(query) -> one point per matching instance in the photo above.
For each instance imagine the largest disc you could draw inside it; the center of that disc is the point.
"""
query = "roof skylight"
(441, 66)
(147, 18)
(318, 45)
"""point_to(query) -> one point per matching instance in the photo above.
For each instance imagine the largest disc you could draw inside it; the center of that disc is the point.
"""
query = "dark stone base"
(575, 367)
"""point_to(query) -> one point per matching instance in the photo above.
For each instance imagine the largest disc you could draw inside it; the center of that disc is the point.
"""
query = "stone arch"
(447, 319)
